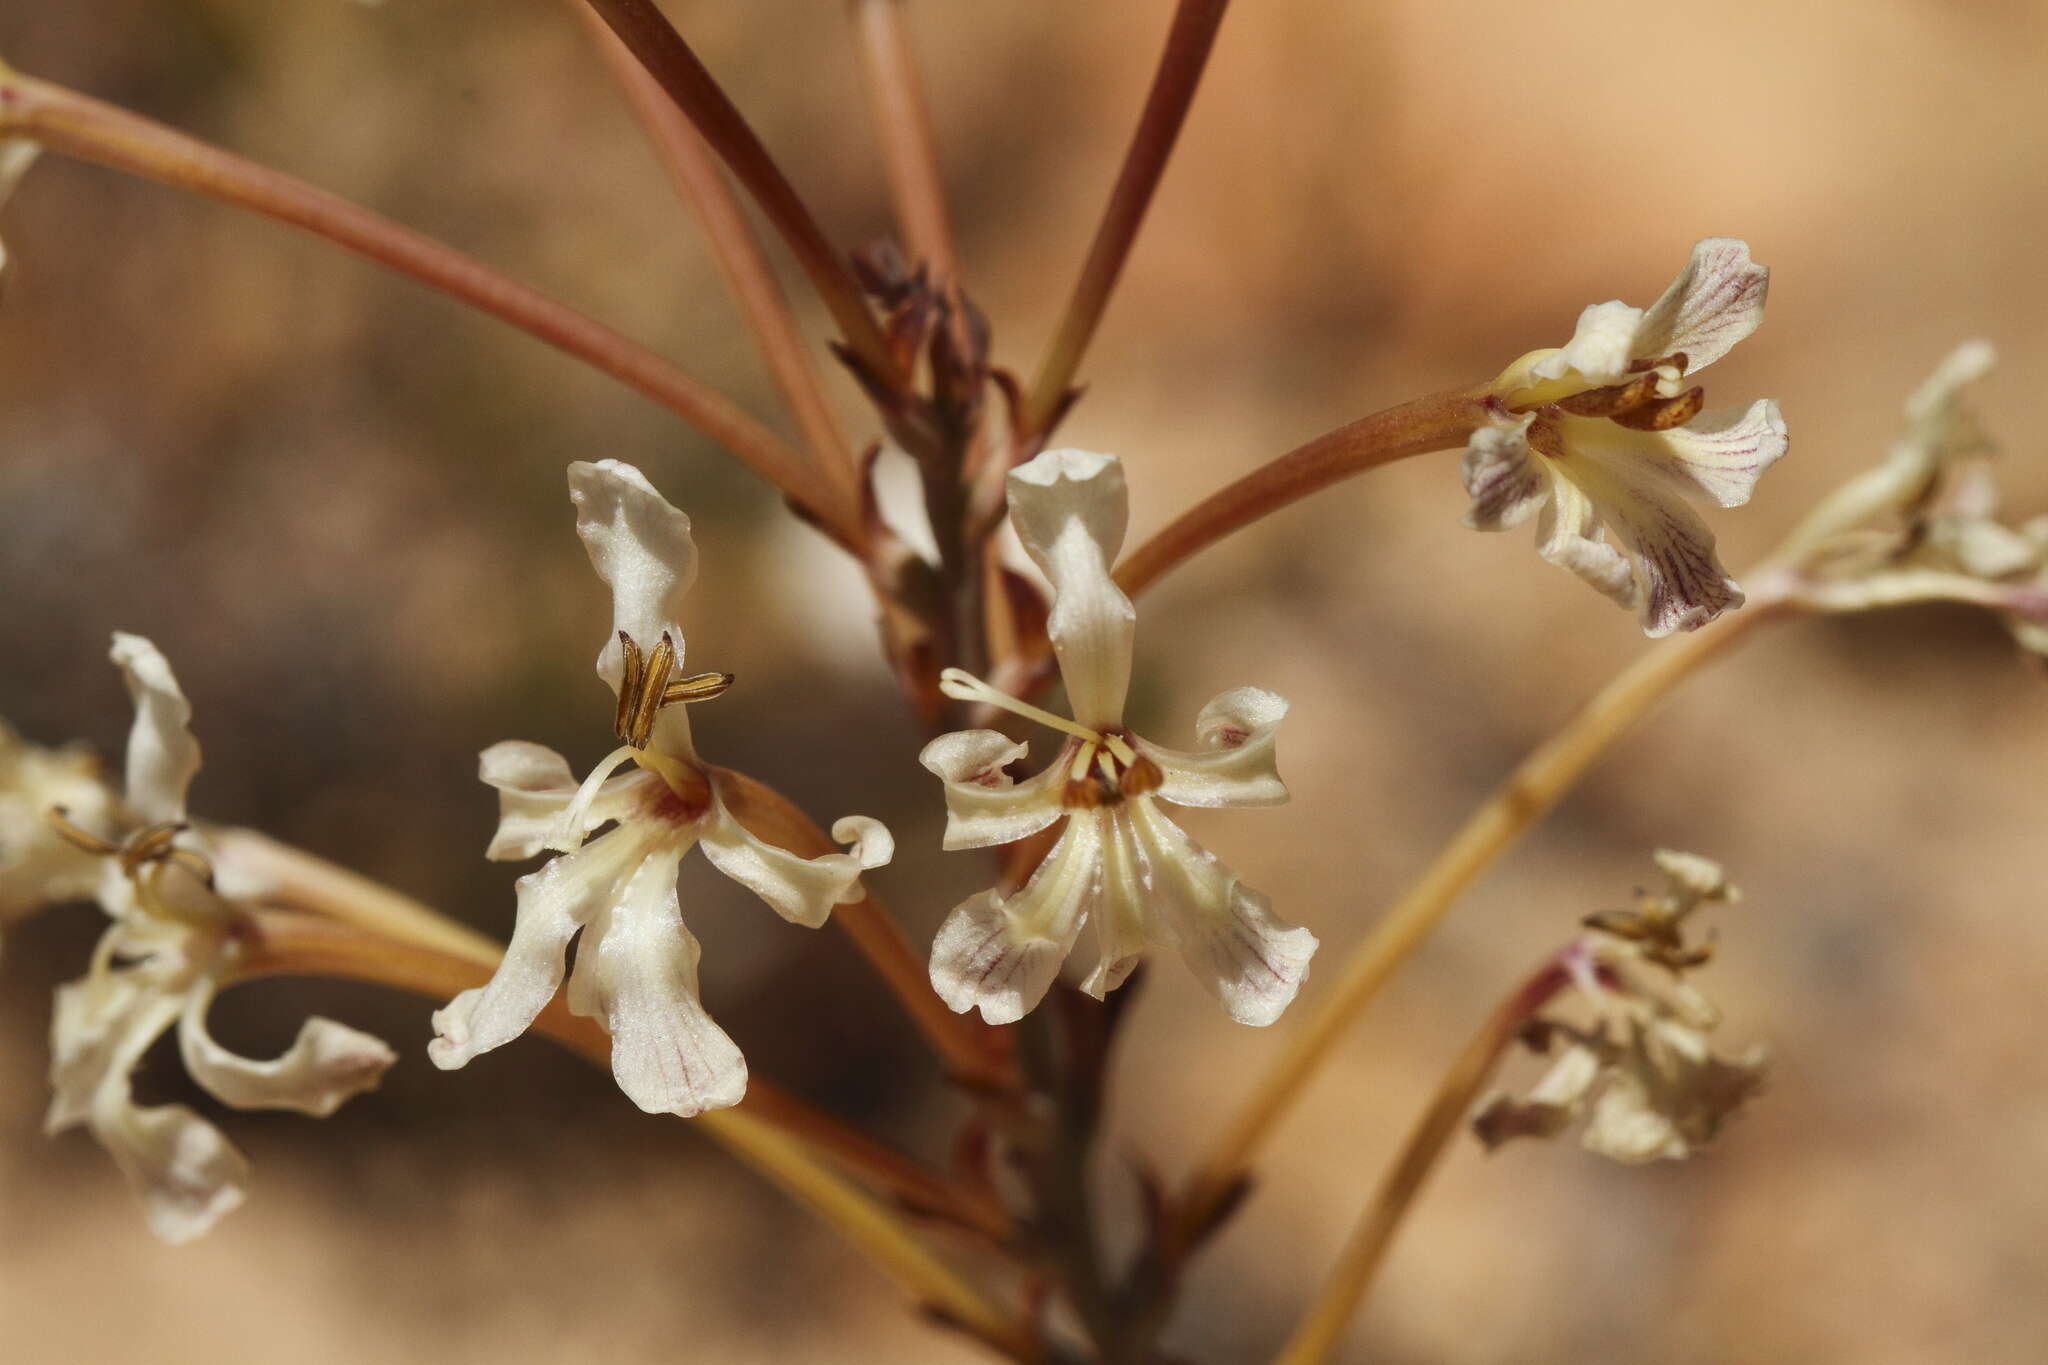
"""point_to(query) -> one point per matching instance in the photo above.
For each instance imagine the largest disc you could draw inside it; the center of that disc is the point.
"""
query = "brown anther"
(1676, 360)
(696, 687)
(1663, 414)
(1613, 398)
(148, 847)
(60, 820)
(1092, 792)
(1142, 777)
(646, 687)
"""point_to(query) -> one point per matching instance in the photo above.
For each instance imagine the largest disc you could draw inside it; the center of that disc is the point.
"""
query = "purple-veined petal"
(1568, 536)
(1716, 301)
(984, 805)
(1503, 477)
(1001, 954)
(1235, 764)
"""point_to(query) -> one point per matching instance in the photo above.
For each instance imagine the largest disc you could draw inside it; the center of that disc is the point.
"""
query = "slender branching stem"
(1188, 44)
(79, 126)
(771, 1131)
(910, 158)
(653, 40)
(1321, 1330)
(1527, 794)
(693, 169)
(972, 1050)
(1436, 422)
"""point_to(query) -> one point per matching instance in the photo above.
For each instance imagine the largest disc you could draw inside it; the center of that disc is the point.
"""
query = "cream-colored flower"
(1644, 1076)
(39, 867)
(1119, 861)
(1923, 525)
(170, 945)
(1603, 432)
(636, 967)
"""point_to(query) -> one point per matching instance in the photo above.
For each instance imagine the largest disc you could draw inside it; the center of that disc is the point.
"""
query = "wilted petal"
(1716, 301)
(1669, 1094)
(162, 754)
(801, 890)
(101, 1026)
(1550, 1107)
(1235, 764)
(326, 1065)
(535, 787)
(984, 805)
(1001, 955)
(1503, 477)
(1070, 508)
(188, 1175)
(636, 973)
(553, 903)
(1249, 959)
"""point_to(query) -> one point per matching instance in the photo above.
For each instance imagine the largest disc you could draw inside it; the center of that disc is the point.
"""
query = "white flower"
(1120, 861)
(1923, 525)
(171, 944)
(38, 866)
(636, 968)
(1644, 1076)
(1603, 432)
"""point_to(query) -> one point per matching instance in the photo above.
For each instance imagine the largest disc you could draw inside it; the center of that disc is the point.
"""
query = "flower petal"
(1716, 301)
(1683, 585)
(162, 754)
(1123, 929)
(1235, 765)
(325, 1066)
(1551, 1106)
(1070, 508)
(1251, 961)
(1568, 536)
(984, 805)
(188, 1175)
(1506, 482)
(535, 787)
(1602, 345)
(1001, 954)
(1668, 1094)
(37, 867)
(553, 903)
(1722, 454)
(636, 973)
(801, 890)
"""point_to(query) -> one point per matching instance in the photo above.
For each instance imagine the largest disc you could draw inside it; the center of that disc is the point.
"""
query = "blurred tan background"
(336, 501)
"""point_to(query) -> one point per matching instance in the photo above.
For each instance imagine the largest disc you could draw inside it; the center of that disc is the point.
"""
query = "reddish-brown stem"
(290, 943)
(970, 1048)
(1188, 44)
(77, 125)
(1436, 422)
(909, 156)
(694, 171)
(652, 39)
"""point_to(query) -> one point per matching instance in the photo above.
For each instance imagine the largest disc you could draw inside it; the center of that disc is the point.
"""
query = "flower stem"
(771, 1131)
(1435, 422)
(909, 156)
(1322, 1327)
(91, 130)
(693, 169)
(1527, 794)
(1188, 44)
(652, 39)
(973, 1051)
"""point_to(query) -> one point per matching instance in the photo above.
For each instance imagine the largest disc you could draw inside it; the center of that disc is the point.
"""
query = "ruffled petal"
(1668, 1094)
(1602, 345)
(324, 1067)
(984, 806)
(801, 890)
(535, 787)
(1716, 301)
(1505, 481)
(636, 973)
(1235, 764)
(1001, 954)
(162, 754)
(1249, 959)
(1569, 536)
(1070, 508)
(553, 903)
(640, 545)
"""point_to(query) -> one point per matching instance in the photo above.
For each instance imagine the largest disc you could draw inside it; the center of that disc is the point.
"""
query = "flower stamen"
(646, 687)
(961, 685)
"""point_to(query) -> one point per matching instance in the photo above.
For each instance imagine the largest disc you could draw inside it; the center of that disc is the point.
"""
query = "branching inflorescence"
(1605, 434)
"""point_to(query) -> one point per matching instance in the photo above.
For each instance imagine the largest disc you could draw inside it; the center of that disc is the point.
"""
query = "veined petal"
(801, 890)
(1235, 764)
(984, 805)
(1683, 583)
(553, 903)
(162, 754)
(326, 1065)
(1602, 345)
(1070, 508)
(1716, 301)
(535, 786)
(1568, 536)
(636, 973)
(1722, 454)
(1000, 955)
(1506, 482)
(1250, 960)
(640, 545)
